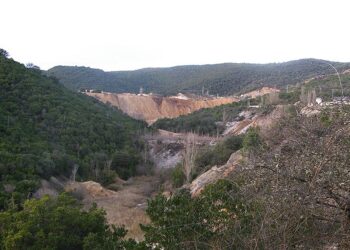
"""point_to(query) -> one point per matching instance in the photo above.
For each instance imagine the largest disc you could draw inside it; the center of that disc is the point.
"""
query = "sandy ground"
(124, 207)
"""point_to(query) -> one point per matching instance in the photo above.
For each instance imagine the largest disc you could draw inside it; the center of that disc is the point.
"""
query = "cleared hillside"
(151, 107)
(222, 79)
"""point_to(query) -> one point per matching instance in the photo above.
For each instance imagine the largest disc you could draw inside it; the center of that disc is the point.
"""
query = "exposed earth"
(123, 207)
(150, 108)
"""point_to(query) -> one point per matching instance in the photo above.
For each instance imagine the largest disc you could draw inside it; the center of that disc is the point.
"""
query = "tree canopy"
(47, 130)
(59, 223)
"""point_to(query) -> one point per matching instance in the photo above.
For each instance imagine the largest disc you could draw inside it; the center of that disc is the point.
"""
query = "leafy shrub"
(124, 163)
(107, 177)
(290, 97)
(251, 139)
(233, 142)
(177, 176)
(218, 219)
(51, 223)
(325, 119)
(219, 154)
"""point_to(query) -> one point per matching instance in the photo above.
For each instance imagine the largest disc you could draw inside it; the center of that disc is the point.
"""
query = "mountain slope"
(150, 108)
(48, 130)
(222, 79)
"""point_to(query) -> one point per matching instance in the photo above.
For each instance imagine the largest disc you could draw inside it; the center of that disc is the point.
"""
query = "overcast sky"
(132, 34)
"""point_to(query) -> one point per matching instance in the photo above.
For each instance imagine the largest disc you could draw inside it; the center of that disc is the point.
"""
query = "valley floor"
(123, 207)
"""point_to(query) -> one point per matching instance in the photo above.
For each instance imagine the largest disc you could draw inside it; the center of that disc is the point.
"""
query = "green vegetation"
(301, 179)
(219, 154)
(327, 86)
(291, 191)
(218, 219)
(211, 121)
(222, 79)
(124, 162)
(251, 139)
(59, 224)
(177, 176)
(204, 121)
(47, 130)
(297, 173)
(290, 97)
(199, 160)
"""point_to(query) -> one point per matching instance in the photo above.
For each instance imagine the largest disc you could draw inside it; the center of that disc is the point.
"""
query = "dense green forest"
(222, 79)
(59, 224)
(47, 130)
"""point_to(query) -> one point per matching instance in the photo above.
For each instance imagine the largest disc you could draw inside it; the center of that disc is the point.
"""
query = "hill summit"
(221, 79)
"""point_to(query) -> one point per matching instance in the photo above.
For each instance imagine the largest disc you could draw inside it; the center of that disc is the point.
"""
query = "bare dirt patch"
(124, 207)
(150, 108)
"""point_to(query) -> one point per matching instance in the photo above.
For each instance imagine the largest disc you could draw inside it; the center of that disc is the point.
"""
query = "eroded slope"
(152, 107)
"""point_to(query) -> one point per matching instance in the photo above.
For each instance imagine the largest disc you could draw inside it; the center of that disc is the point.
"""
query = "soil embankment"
(152, 107)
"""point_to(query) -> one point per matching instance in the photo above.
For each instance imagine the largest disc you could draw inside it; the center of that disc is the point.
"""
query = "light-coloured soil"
(124, 207)
(150, 108)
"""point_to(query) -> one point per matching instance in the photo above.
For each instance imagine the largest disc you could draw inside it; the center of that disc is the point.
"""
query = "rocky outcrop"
(215, 173)
(153, 107)
(166, 148)
(250, 119)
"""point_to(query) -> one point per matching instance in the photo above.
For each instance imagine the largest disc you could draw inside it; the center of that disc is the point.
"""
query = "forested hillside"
(47, 130)
(222, 79)
(291, 190)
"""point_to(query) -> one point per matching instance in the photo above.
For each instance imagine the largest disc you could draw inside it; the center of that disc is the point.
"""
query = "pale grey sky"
(132, 34)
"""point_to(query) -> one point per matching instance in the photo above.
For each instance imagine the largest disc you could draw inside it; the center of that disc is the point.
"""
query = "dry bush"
(302, 178)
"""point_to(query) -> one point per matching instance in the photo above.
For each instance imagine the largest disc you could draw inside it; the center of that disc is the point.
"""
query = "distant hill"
(46, 130)
(222, 79)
